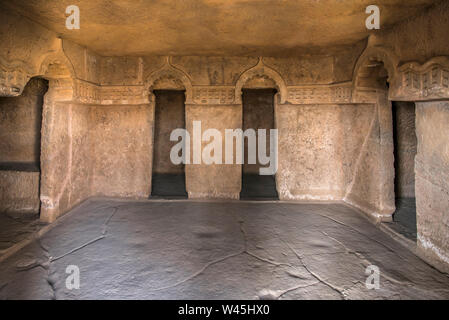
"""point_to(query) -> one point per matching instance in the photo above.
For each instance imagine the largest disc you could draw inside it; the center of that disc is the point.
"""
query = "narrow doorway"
(258, 113)
(168, 179)
(405, 148)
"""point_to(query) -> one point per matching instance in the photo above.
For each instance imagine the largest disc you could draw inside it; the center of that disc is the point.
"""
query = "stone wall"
(19, 192)
(121, 150)
(66, 161)
(214, 180)
(319, 149)
(432, 181)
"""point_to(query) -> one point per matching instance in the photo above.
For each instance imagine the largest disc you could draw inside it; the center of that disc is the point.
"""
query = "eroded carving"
(213, 95)
(260, 71)
(12, 83)
(423, 82)
(320, 94)
(170, 76)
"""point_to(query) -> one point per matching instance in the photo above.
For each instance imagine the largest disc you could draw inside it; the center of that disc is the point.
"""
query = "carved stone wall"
(432, 181)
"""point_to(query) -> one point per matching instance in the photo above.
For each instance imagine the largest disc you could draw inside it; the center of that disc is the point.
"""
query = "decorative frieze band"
(86, 92)
(124, 95)
(213, 94)
(320, 94)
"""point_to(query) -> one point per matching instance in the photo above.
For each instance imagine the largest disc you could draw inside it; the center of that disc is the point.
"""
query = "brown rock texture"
(432, 181)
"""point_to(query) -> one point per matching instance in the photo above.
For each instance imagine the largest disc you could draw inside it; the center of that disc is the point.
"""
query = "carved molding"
(170, 76)
(261, 71)
(86, 92)
(124, 95)
(89, 93)
(320, 94)
(429, 81)
(381, 54)
(213, 94)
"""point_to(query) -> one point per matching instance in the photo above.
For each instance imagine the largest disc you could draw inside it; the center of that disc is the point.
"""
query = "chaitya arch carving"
(169, 77)
(265, 73)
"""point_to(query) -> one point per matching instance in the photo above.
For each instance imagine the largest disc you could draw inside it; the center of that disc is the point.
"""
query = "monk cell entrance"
(258, 113)
(168, 179)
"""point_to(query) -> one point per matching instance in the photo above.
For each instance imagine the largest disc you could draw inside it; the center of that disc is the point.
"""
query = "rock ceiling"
(215, 27)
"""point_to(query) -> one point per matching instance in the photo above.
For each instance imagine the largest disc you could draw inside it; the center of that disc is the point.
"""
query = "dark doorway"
(168, 179)
(20, 149)
(258, 113)
(405, 148)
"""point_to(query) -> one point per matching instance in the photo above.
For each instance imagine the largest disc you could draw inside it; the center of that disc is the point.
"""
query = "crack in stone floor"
(216, 250)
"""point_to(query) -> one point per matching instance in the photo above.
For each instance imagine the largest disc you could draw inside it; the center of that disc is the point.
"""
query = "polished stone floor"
(216, 250)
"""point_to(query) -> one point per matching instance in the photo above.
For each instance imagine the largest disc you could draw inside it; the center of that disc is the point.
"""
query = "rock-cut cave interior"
(224, 149)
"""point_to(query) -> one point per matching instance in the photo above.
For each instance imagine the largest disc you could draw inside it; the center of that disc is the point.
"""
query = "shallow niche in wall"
(20, 148)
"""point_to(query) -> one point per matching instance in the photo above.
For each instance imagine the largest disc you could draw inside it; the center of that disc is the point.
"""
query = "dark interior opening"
(20, 147)
(258, 113)
(405, 148)
(168, 179)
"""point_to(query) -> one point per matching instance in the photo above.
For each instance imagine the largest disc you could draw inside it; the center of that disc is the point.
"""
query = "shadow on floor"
(169, 186)
(257, 187)
(404, 219)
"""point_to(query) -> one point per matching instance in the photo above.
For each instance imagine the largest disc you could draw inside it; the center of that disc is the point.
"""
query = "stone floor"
(216, 250)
